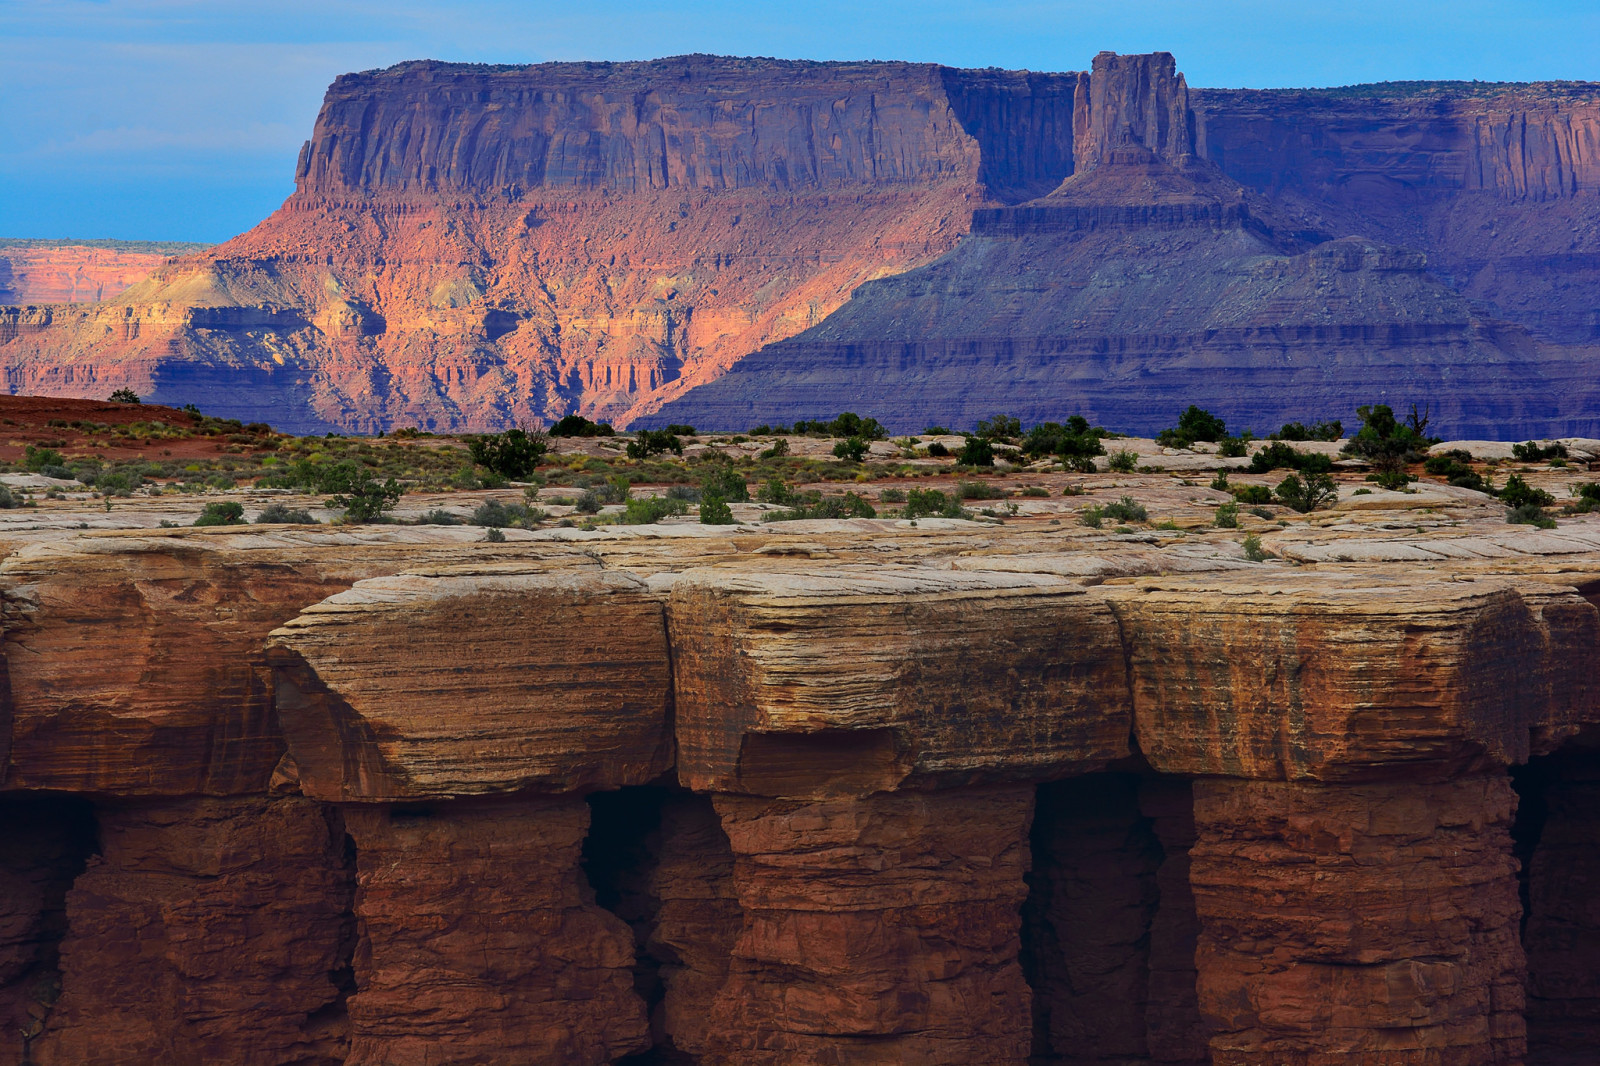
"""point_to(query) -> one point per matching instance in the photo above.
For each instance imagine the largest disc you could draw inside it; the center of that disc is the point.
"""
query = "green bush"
(1328, 431)
(1075, 442)
(1278, 455)
(129, 396)
(1253, 549)
(578, 426)
(360, 495)
(650, 442)
(853, 449)
(779, 449)
(439, 517)
(1257, 494)
(979, 490)
(1232, 448)
(714, 511)
(1454, 467)
(892, 496)
(976, 452)
(1309, 493)
(723, 480)
(1531, 452)
(495, 514)
(279, 514)
(651, 509)
(1000, 427)
(1227, 516)
(931, 503)
(850, 505)
(848, 424)
(1092, 516)
(1124, 462)
(1126, 510)
(1518, 493)
(512, 454)
(588, 502)
(1393, 480)
(937, 450)
(1195, 424)
(228, 513)
(1385, 442)
(1530, 514)
(36, 459)
(778, 492)
(492, 535)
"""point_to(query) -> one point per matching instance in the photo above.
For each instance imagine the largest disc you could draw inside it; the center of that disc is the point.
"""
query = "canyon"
(722, 242)
(64, 272)
(868, 791)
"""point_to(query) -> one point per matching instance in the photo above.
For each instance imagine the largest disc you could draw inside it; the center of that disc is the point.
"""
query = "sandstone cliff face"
(65, 272)
(938, 795)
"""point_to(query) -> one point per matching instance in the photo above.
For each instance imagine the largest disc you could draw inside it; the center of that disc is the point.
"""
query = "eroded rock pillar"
(1372, 924)
(880, 929)
(205, 931)
(476, 936)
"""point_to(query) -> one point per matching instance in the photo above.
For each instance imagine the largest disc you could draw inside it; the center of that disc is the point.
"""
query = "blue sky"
(181, 119)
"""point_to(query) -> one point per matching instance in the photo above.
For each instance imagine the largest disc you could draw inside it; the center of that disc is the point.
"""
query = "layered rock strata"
(745, 798)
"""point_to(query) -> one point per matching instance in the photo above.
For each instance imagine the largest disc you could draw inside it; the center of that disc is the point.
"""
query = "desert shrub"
(1126, 509)
(129, 396)
(37, 458)
(512, 454)
(714, 511)
(1387, 443)
(1278, 455)
(578, 426)
(1308, 493)
(1518, 493)
(1195, 424)
(686, 493)
(492, 535)
(1227, 516)
(892, 496)
(361, 496)
(1328, 431)
(1220, 482)
(227, 513)
(1075, 442)
(1253, 549)
(976, 452)
(588, 502)
(1124, 462)
(979, 490)
(1393, 480)
(651, 509)
(931, 503)
(7, 500)
(1000, 427)
(439, 517)
(848, 424)
(1256, 494)
(723, 480)
(1261, 512)
(779, 449)
(937, 450)
(1092, 516)
(497, 514)
(650, 442)
(1532, 452)
(777, 491)
(1530, 514)
(853, 449)
(1232, 448)
(850, 505)
(1454, 467)
(1588, 491)
(280, 514)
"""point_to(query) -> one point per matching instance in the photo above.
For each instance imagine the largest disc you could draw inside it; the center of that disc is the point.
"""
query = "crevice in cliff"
(656, 856)
(1556, 837)
(1109, 927)
(46, 844)
(328, 1027)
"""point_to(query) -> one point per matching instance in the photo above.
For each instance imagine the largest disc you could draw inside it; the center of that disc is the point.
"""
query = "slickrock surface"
(1358, 923)
(878, 930)
(1012, 791)
(797, 684)
(509, 698)
(479, 941)
(469, 247)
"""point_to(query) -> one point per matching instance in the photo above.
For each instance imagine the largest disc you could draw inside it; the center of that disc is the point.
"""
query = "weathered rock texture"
(878, 930)
(1358, 923)
(470, 246)
(64, 272)
(863, 793)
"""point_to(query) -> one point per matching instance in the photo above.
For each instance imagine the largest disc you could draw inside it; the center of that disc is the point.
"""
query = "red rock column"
(479, 941)
(206, 931)
(878, 930)
(1372, 924)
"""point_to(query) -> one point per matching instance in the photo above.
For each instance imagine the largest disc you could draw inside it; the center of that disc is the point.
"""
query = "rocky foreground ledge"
(846, 793)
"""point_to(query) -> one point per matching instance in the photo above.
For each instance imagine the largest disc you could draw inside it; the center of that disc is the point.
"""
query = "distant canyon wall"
(63, 272)
(470, 247)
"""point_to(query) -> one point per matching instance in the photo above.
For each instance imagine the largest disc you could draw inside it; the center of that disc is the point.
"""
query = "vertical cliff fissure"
(1556, 837)
(46, 844)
